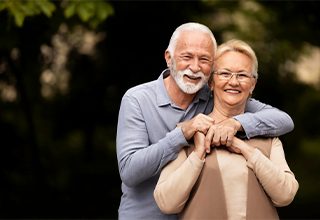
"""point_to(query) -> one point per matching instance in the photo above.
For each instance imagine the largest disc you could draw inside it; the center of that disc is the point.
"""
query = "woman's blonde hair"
(242, 47)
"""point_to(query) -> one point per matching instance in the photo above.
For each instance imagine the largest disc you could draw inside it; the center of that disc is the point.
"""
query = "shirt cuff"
(177, 139)
(245, 122)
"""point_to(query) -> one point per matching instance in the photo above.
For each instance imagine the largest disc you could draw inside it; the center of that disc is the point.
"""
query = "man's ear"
(167, 56)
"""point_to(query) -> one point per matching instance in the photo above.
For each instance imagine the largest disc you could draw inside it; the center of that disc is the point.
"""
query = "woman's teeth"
(232, 91)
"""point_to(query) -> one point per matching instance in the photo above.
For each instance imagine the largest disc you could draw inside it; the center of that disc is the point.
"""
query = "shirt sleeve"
(176, 182)
(260, 119)
(274, 175)
(137, 159)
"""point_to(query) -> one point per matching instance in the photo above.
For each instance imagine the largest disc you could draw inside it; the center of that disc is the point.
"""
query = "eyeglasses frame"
(232, 73)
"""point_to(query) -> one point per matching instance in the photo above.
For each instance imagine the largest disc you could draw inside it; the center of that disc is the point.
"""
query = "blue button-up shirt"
(147, 139)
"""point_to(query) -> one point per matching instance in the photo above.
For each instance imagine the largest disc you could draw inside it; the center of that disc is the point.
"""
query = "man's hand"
(223, 132)
(199, 123)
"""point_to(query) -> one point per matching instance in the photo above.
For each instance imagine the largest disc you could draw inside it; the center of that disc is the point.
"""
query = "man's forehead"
(195, 39)
(191, 34)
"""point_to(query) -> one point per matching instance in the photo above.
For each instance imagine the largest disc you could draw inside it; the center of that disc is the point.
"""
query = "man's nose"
(194, 65)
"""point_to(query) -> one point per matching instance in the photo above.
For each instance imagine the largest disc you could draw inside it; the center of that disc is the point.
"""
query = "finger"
(205, 129)
(206, 125)
(208, 139)
(216, 138)
(208, 150)
(230, 139)
(231, 149)
(207, 146)
(202, 126)
(223, 137)
(216, 141)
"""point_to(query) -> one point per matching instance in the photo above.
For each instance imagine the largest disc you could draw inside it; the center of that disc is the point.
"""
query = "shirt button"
(250, 135)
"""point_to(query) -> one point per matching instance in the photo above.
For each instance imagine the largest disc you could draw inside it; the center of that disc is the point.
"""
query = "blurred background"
(65, 65)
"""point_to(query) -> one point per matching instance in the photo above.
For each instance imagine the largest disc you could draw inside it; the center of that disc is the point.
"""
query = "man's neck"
(178, 97)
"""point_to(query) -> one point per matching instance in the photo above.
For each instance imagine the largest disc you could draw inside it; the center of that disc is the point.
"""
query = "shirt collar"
(163, 97)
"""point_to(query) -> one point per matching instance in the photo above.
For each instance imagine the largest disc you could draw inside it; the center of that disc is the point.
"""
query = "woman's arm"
(178, 178)
(275, 175)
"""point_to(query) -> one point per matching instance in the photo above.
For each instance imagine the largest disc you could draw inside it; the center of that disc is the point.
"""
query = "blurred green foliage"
(93, 12)
(21, 9)
(65, 65)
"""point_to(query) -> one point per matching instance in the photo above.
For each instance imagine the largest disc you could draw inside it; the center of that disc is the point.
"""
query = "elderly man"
(148, 136)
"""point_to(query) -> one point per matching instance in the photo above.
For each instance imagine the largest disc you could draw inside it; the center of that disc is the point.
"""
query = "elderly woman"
(244, 181)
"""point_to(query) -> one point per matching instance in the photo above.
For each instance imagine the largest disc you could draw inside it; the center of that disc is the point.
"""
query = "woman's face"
(233, 92)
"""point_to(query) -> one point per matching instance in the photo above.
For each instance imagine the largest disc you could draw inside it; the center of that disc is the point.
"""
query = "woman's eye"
(243, 75)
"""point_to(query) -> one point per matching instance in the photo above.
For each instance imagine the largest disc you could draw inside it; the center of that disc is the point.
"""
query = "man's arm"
(258, 120)
(137, 159)
(264, 120)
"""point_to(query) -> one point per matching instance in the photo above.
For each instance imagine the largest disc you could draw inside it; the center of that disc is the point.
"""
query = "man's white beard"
(188, 87)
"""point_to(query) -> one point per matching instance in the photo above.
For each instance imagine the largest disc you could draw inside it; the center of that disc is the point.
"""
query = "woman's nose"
(234, 80)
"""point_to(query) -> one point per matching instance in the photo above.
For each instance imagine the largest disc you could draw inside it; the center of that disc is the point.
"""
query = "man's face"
(188, 86)
(193, 59)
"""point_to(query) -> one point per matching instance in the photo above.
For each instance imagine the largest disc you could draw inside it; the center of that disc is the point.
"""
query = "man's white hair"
(189, 27)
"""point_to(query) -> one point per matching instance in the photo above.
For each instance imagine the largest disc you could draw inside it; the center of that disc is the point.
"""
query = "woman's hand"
(199, 142)
(223, 132)
(240, 147)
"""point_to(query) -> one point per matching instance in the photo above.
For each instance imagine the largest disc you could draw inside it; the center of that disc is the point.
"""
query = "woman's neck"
(221, 112)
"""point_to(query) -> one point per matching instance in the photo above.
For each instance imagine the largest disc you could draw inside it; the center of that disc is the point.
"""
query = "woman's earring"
(211, 94)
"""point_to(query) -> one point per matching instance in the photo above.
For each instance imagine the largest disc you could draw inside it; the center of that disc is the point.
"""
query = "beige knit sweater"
(179, 176)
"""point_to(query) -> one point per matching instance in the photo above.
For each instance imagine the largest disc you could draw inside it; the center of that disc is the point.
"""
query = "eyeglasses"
(226, 75)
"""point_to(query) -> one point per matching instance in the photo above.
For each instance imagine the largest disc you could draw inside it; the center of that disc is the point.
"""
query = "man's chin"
(188, 87)
(190, 90)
